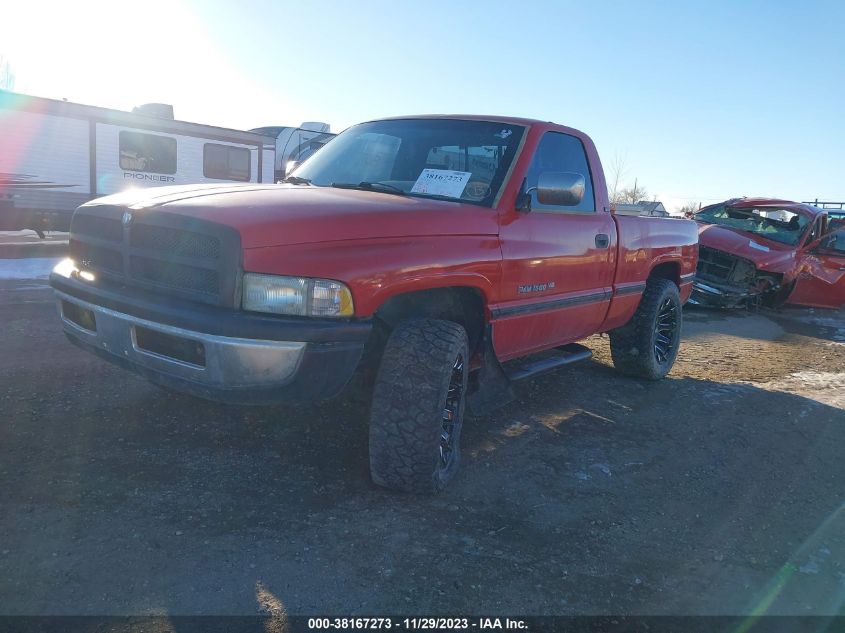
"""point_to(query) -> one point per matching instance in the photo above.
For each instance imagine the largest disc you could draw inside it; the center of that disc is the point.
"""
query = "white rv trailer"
(55, 155)
(295, 144)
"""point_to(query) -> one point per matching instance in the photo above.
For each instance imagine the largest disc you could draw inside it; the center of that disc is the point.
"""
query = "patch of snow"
(811, 567)
(832, 320)
(28, 268)
(726, 391)
(823, 386)
(24, 233)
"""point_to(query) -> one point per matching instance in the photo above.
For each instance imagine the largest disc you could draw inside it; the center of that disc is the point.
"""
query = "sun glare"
(164, 53)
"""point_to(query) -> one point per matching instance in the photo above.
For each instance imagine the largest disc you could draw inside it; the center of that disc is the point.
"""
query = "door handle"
(602, 240)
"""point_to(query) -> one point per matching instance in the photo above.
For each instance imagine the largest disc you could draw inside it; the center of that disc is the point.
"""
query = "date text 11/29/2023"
(417, 624)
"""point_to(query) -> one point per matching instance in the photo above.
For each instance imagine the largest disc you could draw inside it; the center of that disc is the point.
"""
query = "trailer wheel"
(418, 406)
(646, 346)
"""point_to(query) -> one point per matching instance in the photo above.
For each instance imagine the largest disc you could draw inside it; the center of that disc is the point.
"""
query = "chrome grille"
(160, 252)
(715, 265)
(169, 274)
(181, 243)
(107, 229)
(95, 257)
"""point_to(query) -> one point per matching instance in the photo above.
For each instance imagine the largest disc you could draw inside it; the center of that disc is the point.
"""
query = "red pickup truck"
(411, 256)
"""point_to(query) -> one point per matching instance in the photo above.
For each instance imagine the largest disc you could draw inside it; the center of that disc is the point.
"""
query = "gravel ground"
(716, 491)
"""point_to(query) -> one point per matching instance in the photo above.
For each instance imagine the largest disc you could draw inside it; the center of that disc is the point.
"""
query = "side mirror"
(561, 188)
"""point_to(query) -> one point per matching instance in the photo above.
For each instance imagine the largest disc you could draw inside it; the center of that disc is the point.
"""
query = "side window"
(561, 152)
(224, 162)
(147, 152)
(834, 242)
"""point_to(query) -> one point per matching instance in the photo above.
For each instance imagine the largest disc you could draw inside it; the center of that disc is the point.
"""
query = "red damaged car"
(767, 252)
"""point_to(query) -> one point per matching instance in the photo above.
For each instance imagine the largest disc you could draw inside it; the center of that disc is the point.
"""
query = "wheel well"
(462, 305)
(667, 270)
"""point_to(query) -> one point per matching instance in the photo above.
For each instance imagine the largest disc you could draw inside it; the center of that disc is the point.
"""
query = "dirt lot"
(716, 491)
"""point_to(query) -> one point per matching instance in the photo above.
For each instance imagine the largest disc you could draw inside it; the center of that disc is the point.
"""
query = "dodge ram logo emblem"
(127, 218)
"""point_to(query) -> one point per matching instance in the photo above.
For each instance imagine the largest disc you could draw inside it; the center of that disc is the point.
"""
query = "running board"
(571, 353)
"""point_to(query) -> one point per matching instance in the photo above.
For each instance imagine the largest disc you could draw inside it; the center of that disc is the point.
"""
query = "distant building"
(643, 207)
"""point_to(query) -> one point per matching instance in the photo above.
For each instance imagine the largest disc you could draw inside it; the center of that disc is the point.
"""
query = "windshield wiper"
(296, 180)
(370, 186)
(436, 196)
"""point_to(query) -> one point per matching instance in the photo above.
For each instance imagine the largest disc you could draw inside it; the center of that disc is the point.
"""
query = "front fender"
(376, 270)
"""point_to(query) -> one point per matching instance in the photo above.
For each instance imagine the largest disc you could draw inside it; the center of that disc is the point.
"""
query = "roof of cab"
(471, 117)
(507, 120)
(798, 207)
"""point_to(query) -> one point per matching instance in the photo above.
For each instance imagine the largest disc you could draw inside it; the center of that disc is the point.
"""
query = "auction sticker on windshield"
(441, 182)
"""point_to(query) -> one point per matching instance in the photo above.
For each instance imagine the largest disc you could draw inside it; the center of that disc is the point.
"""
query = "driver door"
(558, 261)
(821, 278)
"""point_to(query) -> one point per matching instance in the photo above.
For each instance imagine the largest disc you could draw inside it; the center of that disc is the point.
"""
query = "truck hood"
(765, 254)
(277, 215)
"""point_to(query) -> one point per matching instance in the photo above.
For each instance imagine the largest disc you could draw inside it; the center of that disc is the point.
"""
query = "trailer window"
(224, 162)
(147, 152)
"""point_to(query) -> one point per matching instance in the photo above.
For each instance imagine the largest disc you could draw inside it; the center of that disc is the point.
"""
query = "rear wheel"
(647, 345)
(418, 406)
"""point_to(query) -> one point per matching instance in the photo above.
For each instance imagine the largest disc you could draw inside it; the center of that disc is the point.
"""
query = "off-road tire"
(632, 346)
(409, 403)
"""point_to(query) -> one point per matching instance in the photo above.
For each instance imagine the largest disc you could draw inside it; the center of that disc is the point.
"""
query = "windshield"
(778, 225)
(439, 158)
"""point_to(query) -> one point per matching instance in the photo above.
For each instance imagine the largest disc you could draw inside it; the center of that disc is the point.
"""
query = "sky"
(701, 101)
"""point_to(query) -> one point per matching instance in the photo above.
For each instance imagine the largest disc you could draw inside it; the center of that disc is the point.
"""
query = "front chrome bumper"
(709, 294)
(218, 362)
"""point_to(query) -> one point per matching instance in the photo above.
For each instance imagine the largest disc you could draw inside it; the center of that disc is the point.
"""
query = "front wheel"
(418, 406)
(647, 345)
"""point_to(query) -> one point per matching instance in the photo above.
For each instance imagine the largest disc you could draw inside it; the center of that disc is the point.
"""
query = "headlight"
(297, 296)
(68, 268)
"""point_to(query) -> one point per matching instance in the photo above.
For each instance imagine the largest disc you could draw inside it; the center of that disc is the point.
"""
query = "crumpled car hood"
(765, 254)
(277, 215)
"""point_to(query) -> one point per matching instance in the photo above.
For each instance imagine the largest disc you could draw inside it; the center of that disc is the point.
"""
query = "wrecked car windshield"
(778, 225)
(439, 158)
